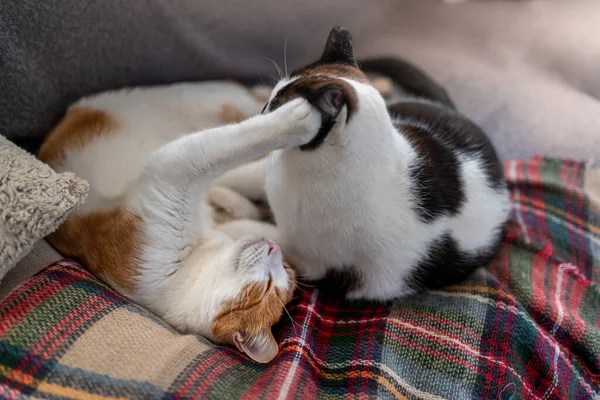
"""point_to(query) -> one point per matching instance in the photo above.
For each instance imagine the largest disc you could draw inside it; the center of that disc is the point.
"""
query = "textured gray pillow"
(34, 201)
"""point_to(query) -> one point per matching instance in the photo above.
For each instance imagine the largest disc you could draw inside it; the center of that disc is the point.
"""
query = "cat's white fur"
(348, 203)
(148, 118)
(152, 166)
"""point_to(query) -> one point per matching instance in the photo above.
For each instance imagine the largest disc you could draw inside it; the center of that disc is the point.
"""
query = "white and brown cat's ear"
(338, 48)
(261, 347)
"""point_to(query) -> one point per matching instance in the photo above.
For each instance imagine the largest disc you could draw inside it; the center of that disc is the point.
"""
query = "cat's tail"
(409, 78)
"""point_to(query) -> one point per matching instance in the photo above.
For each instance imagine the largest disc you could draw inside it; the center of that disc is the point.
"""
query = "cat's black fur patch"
(410, 78)
(446, 265)
(279, 99)
(340, 281)
(446, 126)
(453, 132)
(327, 123)
(437, 186)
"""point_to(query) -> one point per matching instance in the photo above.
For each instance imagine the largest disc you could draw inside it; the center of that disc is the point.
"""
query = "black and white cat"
(385, 200)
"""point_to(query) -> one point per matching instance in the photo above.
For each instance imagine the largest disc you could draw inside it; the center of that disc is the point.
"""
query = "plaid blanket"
(527, 326)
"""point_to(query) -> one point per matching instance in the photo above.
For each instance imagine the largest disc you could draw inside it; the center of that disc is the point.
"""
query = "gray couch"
(526, 71)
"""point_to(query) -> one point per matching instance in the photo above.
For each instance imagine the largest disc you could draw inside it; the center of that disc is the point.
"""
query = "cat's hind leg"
(229, 204)
(247, 180)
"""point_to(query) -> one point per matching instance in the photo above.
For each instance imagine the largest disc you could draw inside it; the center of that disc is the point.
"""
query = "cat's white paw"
(298, 122)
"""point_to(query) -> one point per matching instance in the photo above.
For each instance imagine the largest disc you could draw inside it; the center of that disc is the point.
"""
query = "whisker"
(274, 80)
(305, 285)
(285, 56)
(262, 83)
(302, 290)
(294, 323)
(276, 67)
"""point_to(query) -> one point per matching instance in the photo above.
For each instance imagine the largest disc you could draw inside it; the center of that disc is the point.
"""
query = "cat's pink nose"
(272, 247)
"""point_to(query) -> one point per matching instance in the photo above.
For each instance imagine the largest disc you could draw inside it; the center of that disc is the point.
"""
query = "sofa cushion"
(527, 326)
(40, 256)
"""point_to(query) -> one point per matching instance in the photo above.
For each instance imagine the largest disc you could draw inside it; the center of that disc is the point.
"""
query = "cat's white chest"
(351, 217)
(325, 220)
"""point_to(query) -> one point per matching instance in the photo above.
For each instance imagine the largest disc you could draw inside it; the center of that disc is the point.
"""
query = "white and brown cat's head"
(337, 87)
(260, 284)
(230, 291)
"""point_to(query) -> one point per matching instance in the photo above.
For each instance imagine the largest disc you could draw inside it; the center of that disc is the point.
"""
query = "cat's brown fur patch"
(106, 242)
(292, 274)
(230, 114)
(314, 77)
(79, 126)
(336, 70)
(258, 307)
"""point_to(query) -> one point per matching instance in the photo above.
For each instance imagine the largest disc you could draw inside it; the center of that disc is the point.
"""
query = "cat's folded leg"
(232, 204)
(247, 180)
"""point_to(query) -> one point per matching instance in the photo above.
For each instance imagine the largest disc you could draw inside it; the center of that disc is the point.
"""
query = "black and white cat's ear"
(261, 347)
(338, 48)
(330, 101)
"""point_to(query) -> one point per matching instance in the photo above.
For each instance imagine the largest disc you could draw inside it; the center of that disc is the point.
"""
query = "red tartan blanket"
(526, 326)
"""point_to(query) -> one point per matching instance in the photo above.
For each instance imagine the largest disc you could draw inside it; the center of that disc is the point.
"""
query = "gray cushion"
(34, 201)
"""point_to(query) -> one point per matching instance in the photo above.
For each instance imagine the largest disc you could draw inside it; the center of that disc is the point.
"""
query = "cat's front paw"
(298, 122)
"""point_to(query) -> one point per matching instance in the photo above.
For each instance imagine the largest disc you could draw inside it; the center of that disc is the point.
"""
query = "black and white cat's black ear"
(338, 48)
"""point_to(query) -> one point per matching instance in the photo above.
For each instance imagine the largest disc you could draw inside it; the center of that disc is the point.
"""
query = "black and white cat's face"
(334, 85)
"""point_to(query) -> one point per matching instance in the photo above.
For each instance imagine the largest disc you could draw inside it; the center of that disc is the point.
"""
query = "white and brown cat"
(146, 227)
